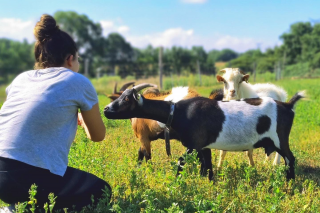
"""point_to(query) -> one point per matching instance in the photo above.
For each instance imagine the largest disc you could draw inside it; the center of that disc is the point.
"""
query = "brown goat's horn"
(142, 86)
(223, 70)
(115, 88)
(125, 86)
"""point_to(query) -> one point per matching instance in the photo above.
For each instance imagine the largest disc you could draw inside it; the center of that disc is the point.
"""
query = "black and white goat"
(204, 124)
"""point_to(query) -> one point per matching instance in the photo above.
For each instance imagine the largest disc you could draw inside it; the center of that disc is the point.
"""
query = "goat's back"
(270, 90)
(231, 125)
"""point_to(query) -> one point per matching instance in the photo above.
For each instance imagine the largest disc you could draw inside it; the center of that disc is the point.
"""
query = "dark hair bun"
(45, 28)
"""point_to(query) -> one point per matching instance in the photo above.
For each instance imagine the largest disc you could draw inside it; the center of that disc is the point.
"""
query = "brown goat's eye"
(126, 98)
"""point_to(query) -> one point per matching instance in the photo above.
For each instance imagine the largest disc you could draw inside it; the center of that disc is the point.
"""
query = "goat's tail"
(297, 97)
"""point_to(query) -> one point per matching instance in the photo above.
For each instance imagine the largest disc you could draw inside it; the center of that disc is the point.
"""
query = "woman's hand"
(80, 119)
(92, 123)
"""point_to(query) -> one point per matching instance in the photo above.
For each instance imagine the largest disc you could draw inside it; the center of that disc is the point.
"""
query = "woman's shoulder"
(78, 78)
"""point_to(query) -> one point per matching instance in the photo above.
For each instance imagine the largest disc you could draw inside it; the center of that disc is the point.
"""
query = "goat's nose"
(232, 91)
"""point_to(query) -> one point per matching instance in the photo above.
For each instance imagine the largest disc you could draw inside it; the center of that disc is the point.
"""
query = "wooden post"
(160, 66)
(284, 60)
(98, 72)
(279, 73)
(199, 72)
(254, 71)
(275, 71)
(86, 67)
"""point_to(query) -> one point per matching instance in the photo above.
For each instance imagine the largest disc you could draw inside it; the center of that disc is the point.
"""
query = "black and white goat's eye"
(126, 98)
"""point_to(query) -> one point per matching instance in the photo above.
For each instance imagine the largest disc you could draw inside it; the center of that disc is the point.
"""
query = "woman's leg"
(73, 189)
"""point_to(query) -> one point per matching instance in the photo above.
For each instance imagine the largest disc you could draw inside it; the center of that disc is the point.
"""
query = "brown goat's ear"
(220, 78)
(246, 78)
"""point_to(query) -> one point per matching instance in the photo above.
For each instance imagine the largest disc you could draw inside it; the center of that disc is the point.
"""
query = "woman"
(38, 123)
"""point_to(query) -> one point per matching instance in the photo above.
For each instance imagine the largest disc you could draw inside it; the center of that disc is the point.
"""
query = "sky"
(236, 24)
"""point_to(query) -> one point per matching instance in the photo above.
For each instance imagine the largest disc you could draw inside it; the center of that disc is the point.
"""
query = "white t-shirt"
(38, 121)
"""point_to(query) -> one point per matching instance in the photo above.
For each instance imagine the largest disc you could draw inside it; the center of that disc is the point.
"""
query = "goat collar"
(167, 129)
(169, 121)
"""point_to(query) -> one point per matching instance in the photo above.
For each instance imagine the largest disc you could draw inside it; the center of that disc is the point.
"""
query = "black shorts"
(75, 188)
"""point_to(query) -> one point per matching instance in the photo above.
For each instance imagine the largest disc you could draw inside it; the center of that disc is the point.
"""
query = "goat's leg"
(291, 159)
(268, 157)
(277, 159)
(206, 163)
(145, 149)
(140, 155)
(249, 154)
(288, 157)
(222, 156)
(181, 162)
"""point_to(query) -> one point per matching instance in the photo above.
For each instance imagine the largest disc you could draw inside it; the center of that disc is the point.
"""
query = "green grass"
(152, 187)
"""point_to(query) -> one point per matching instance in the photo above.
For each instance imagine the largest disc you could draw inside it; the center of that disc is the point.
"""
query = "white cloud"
(168, 38)
(107, 27)
(232, 42)
(111, 27)
(123, 29)
(194, 1)
(187, 39)
(17, 29)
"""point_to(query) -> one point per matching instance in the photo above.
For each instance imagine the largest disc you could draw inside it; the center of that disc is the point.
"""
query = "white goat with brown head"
(236, 87)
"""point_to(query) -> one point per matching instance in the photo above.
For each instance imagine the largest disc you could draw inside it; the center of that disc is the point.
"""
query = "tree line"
(113, 55)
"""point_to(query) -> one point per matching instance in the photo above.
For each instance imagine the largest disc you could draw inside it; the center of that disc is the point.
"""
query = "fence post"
(284, 61)
(275, 71)
(279, 67)
(86, 67)
(254, 71)
(199, 72)
(160, 67)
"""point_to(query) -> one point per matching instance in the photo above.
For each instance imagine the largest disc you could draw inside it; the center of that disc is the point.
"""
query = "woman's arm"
(92, 123)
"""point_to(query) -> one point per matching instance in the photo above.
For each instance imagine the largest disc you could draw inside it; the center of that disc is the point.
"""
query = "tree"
(86, 33)
(146, 61)
(200, 55)
(226, 55)
(246, 60)
(311, 47)
(118, 52)
(179, 58)
(293, 41)
(15, 57)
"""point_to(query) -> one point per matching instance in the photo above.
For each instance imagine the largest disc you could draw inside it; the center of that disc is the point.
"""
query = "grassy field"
(153, 187)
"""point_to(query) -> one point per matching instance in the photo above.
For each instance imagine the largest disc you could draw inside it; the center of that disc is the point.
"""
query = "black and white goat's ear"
(246, 78)
(136, 95)
(220, 78)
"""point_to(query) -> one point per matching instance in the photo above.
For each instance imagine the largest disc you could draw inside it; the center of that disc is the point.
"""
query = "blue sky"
(235, 24)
